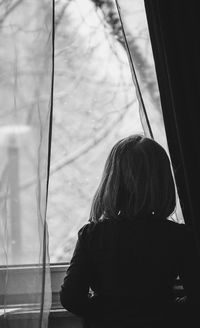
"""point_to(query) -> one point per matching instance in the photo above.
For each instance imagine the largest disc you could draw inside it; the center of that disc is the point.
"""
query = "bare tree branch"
(68, 159)
(111, 17)
(61, 13)
(17, 3)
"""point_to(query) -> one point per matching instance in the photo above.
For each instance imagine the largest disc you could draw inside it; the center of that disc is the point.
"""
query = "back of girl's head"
(137, 181)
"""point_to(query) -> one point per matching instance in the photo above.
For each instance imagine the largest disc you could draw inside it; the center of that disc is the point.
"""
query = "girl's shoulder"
(98, 233)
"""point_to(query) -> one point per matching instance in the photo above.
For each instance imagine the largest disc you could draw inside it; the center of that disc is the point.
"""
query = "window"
(95, 104)
(25, 91)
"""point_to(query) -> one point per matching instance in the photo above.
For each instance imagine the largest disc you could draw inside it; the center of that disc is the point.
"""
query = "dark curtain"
(175, 35)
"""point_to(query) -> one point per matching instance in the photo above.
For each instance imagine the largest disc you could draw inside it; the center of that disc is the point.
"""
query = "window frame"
(22, 274)
(18, 298)
(58, 316)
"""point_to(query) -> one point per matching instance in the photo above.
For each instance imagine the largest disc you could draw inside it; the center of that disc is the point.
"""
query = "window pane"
(137, 34)
(25, 93)
(95, 105)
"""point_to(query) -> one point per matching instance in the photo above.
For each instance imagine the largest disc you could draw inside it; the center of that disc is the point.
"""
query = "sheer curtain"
(135, 32)
(26, 71)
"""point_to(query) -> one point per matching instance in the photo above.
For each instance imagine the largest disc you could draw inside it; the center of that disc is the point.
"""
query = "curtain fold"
(130, 54)
(26, 69)
(136, 35)
(174, 31)
(139, 51)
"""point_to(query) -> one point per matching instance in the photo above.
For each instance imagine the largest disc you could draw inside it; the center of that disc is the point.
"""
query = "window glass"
(136, 32)
(95, 104)
(25, 93)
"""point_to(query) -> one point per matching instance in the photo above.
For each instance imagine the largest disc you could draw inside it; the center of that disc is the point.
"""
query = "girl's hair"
(137, 181)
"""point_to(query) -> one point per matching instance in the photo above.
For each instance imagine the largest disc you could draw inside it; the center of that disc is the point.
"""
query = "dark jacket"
(131, 267)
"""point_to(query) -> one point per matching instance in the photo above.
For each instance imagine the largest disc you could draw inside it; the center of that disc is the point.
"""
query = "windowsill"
(21, 287)
(18, 296)
(22, 276)
(56, 318)
(24, 313)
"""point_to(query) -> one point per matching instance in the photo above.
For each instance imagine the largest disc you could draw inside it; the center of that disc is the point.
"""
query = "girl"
(129, 254)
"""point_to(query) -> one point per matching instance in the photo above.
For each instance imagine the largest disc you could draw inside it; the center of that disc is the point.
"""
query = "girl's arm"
(74, 293)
